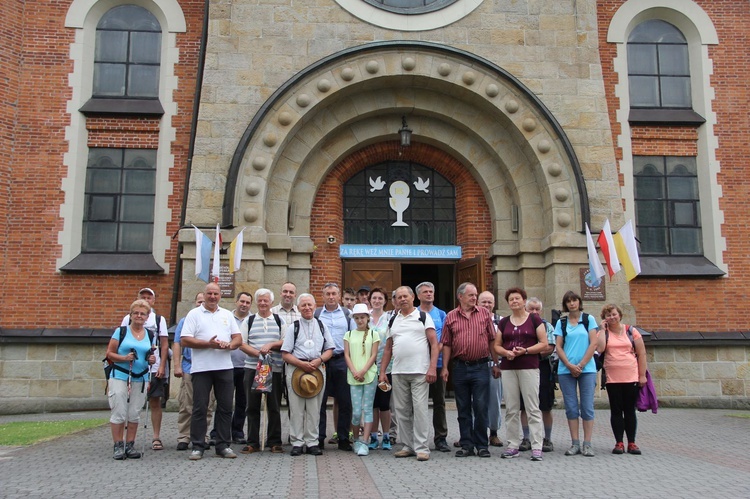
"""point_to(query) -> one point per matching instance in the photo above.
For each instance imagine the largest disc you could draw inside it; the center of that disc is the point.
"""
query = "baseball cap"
(147, 290)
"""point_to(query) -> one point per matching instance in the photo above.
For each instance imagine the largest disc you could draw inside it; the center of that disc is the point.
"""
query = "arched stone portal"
(473, 111)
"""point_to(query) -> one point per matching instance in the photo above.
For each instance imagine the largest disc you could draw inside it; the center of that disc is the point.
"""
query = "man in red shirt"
(468, 336)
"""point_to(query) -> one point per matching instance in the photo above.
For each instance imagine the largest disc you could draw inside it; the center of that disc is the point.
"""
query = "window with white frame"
(667, 205)
(119, 201)
(658, 66)
(127, 55)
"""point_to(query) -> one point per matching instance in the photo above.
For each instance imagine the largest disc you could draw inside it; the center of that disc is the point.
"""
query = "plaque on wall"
(588, 290)
(226, 282)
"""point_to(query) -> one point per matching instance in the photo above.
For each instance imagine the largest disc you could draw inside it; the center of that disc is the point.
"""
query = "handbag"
(263, 381)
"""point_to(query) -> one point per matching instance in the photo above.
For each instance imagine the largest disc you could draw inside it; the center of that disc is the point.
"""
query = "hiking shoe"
(130, 451)
(361, 449)
(574, 449)
(442, 446)
(226, 453)
(525, 445)
(119, 451)
(373, 443)
(296, 451)
(334, 439)
(345, 445)
(547, 445)
(386, 444)
(509, 453)
(314, 451)
(619, 448)
(633, 449)
(182, 446)
(536, 455)
(587, 451)
(196, 454)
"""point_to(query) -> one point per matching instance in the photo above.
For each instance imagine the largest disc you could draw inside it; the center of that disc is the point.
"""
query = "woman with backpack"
(130, 354)
(575, 339)
(625, 371)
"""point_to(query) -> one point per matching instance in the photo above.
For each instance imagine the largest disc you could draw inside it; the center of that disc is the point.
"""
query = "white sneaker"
(361, 449)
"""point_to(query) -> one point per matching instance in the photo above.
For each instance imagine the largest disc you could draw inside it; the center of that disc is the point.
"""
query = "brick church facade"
(126, 122)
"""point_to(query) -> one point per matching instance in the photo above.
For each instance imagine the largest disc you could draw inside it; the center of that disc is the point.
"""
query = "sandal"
(156, 444)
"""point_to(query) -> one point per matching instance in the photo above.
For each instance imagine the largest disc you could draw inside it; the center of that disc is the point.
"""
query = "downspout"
(191, 150)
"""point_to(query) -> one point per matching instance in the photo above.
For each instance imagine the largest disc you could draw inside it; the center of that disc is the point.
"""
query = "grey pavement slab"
(686, 453)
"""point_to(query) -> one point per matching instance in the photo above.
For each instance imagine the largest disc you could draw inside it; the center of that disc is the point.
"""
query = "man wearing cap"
(363, 295)
(337, 322)
(160, 369)
(212, 332)
(468, 336)
(413, 346)
(307, 346)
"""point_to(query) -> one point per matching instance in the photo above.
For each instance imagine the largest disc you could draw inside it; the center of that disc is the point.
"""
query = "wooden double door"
(390, 274)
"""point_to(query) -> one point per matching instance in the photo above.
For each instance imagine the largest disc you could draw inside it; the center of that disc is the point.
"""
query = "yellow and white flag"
(235, 253)
(627, 250)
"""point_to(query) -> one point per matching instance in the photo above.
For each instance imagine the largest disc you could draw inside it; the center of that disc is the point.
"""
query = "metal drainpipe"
(191, 149)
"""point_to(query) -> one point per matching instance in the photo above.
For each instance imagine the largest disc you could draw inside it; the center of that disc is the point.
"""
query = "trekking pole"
(145, 420)
(130, 378)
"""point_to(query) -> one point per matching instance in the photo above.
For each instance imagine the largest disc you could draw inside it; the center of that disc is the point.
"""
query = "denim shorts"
(570, 386)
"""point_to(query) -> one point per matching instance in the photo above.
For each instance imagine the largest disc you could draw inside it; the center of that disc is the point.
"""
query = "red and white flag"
(607, 245)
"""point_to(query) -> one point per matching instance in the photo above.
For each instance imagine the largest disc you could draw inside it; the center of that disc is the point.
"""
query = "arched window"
(410, 6)
(667, 205)
(658, 67)
(128, 54)
(119, 205)
(399, 202)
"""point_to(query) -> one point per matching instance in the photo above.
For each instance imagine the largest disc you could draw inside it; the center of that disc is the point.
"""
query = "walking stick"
(263, 419)
(147, 386)
(130, 378)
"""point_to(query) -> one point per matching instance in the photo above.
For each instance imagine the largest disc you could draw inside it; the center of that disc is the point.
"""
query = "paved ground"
(686, 453)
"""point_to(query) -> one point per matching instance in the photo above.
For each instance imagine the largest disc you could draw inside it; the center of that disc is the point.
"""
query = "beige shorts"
(118, 401)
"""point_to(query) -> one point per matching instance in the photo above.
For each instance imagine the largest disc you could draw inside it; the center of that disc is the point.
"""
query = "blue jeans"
(472, 386)
(570, 386)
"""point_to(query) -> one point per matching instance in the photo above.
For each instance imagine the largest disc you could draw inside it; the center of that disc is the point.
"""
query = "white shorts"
(118, 401)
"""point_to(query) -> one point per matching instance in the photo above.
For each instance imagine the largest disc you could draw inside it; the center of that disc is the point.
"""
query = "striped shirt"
(468, 334)
(264, 330)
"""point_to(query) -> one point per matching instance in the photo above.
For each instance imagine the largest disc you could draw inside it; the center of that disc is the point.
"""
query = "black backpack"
(296, 333)
(598, 358)
(110, 366)
(251, 319)
(422, 318)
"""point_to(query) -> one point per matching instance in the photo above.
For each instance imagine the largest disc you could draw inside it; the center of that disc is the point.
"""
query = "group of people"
(381, 367)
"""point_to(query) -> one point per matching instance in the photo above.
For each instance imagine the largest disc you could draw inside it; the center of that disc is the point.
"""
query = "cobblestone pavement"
(686, 453)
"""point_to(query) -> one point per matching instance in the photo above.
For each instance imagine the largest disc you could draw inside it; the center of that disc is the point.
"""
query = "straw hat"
(307, 385)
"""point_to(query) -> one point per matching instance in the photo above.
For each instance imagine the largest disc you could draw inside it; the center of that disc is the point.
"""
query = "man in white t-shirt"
(160, 369)
(414, 348)
(212, 332)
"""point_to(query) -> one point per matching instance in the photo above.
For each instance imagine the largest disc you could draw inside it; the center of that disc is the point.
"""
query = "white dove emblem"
(422, 185)
(376, 184)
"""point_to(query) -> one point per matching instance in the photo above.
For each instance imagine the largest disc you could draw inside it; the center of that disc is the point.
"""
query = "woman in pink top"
(625, 367)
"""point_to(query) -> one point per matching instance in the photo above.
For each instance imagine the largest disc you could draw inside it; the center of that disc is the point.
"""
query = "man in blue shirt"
(426, 295)
(337, 321)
